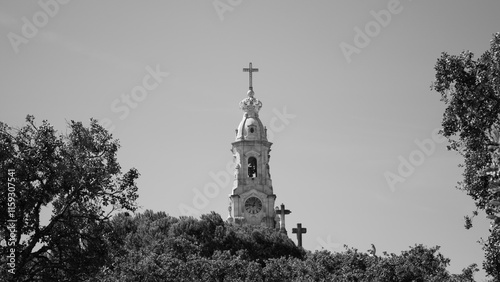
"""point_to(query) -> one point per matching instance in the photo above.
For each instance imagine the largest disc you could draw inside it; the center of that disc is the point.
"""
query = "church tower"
(252, 199)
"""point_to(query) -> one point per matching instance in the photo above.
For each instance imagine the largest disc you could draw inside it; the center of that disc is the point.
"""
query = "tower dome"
(250, 127)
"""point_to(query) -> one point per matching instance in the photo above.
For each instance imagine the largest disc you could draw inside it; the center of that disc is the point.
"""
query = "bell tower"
(252, 199)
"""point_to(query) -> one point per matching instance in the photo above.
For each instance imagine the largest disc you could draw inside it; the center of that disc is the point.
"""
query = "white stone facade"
(252, 179)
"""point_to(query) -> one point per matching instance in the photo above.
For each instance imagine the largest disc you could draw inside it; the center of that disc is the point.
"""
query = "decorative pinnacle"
(251, 105)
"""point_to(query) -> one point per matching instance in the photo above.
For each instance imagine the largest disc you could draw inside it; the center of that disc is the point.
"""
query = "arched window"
(252, 167)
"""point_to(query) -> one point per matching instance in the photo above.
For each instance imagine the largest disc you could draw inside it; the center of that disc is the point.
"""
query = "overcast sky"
(345, 93)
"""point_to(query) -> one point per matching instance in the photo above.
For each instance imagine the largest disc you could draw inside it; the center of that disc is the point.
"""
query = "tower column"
(252, 199)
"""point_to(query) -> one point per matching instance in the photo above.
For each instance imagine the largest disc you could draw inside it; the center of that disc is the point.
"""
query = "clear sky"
(345, 92)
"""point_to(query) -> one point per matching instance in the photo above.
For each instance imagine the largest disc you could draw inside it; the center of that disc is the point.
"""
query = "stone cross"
(250, 70)
(299, 230)
(282, 212)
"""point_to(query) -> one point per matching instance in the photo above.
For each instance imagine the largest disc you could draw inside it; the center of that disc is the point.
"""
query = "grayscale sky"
(345, 87)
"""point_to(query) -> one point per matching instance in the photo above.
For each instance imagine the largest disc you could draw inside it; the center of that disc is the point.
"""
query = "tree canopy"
(157, 247)
(470, 88)
(75, 175)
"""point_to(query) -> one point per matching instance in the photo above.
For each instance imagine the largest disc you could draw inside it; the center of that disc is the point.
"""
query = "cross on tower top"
(250, 70)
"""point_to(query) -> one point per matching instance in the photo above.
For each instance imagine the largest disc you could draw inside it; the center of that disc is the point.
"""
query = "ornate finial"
(250, 105)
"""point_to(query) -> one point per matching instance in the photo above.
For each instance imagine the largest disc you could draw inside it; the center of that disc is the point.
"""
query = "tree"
(157, 247)
(78, 177)
(471, 122)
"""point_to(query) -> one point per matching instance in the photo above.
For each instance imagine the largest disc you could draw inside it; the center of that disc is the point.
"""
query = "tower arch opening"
(252, 167)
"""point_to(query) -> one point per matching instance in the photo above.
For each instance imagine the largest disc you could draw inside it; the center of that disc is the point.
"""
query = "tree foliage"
(470, 88)
(157, 247)
(75, 175)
